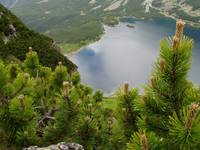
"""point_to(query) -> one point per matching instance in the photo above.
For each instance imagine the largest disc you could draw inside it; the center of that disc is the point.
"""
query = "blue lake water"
(127, 54)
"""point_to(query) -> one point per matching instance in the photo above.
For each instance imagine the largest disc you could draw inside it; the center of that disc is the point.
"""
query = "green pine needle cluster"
(169, 106)
(41, 106)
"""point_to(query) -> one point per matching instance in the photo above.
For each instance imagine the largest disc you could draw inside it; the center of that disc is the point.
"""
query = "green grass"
(67, 48)
(110, 103)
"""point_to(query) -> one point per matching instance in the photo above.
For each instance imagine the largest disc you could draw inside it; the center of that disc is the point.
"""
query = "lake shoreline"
(71, 53)
(75, 51)
(126, 54)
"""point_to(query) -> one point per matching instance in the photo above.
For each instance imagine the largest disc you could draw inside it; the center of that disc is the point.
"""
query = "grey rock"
(1, 14)
(54, 147)
(12, 28)
(59, 146)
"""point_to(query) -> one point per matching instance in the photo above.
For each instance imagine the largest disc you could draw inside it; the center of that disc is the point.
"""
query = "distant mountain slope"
(80, 21)
(189, 10)
(15, 38)
(73, 21)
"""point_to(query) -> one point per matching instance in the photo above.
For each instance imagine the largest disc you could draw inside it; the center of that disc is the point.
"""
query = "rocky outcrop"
(1, 14)
(59, 146)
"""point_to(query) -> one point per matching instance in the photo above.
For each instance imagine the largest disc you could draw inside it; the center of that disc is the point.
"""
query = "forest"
(41, 105)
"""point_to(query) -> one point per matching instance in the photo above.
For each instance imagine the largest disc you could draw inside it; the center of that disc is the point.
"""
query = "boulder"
(59, 146)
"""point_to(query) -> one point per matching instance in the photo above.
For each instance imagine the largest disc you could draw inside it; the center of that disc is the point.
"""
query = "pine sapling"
(168, 89)
(126, 109)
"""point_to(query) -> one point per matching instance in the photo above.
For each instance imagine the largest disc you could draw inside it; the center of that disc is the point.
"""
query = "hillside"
(15, 38)
(189, 10)
(74, 23)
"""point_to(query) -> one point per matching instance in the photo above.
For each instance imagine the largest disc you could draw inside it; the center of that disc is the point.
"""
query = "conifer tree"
(23, 118)
(166, 99)
(38, 105)
(59, 76)
(127, 114)
(17, 113)
(64, 117)
(167, 91)
(31, 62)
(145, 141)
(184, 132)
(86, 129)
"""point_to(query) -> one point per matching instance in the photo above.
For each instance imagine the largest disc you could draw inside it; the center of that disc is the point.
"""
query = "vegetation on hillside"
(75, 22)
(42, 106)
(79, 22)
(15, 38)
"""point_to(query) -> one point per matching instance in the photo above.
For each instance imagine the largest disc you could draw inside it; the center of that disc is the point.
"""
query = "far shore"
(75, 51)
(81, 47)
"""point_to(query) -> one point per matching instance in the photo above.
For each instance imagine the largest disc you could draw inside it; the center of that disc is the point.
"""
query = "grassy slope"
(110, 103)
(18, 46)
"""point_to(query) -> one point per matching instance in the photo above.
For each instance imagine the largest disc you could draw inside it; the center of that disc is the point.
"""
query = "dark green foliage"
(59, 76)
(168, 90)
(32, 63)
(184, 132)
(64, 122)
(98, 96)
(3, 75)
(40, 106)
(142, 141)
(76, 78)
(20, 38)
(127, 114)
(23, 124)
(169, 106)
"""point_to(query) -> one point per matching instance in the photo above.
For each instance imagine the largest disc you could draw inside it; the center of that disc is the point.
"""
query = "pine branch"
(66, 95)
(191, 116)
(176, 41)
(3, 99)
(17, 92)
(174, 83)
(48, 116)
